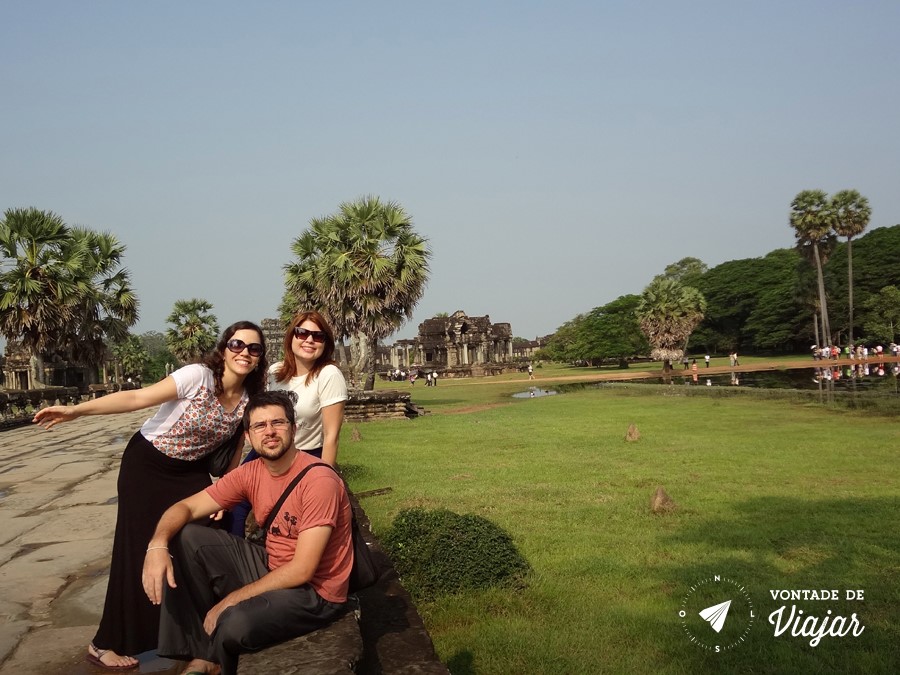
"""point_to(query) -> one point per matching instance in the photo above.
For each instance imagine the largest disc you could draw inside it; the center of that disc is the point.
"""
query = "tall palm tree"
(851, 217)
(194, 330)
(364, 268)
(812, 218)
(107, 306)
(668, 312)
(38, 287)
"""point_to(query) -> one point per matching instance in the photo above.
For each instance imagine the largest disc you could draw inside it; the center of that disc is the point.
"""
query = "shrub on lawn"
(440, 552)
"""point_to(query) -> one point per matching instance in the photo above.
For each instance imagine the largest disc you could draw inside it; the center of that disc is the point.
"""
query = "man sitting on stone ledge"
(225, 595)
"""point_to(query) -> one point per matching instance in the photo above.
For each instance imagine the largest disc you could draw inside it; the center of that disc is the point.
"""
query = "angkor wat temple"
(455, 341)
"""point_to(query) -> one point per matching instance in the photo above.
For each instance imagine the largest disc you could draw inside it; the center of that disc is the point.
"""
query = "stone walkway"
(58, 512)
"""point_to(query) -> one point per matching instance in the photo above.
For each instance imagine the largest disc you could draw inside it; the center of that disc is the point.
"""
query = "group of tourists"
(397, 375)
(179, 582)
(858, 352)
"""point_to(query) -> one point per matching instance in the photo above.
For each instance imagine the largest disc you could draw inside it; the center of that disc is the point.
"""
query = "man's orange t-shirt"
(319, 499)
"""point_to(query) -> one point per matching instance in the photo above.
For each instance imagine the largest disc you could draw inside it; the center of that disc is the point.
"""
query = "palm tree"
(812, 219)
(851, 216)
(194, 330)
(364, 268)
(38, 287)
(668, 312)
(64, 292)
(107, 306)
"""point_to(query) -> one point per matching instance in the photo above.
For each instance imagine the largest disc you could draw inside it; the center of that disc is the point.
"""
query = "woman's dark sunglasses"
(302, 333)
(237, 346)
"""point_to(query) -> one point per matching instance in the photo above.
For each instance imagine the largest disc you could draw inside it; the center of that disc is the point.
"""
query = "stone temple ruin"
(456, 344)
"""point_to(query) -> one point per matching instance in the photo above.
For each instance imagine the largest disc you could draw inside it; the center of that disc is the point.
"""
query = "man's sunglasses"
(237, 346)
(302, 333)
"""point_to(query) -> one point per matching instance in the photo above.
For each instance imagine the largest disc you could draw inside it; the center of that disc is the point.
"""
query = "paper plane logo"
(703, 608)
(716, 614)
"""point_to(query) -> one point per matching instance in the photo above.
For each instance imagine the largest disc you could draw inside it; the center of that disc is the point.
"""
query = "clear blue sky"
(556, 155)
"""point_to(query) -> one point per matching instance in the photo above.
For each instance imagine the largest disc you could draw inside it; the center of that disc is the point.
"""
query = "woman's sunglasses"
(237, 346)
(302, 333)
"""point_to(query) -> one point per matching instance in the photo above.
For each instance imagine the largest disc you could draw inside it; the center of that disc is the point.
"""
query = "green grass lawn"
(770, 494)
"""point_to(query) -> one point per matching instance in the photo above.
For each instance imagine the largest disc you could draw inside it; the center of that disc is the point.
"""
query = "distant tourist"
(706, 358)
(530, 372)
(201, 406)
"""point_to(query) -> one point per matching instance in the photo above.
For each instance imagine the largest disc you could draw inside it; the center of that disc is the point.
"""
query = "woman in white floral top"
(201, 406)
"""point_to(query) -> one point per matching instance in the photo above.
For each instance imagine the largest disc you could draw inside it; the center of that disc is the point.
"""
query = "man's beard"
(274, 454)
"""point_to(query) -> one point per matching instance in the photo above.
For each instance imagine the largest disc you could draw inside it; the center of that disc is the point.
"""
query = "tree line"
(782, 302)
(66, 297)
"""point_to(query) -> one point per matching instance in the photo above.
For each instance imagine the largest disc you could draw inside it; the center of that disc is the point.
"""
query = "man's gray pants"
(210, 564)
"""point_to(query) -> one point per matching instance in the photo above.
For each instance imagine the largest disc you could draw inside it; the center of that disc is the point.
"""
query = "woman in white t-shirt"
(201, 406)
(309, 371)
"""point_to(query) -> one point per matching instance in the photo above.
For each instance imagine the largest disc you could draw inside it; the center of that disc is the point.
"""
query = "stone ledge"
(333, 650)
(368, 405)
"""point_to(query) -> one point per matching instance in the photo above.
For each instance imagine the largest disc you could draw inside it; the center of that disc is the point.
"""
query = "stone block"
(333, 650)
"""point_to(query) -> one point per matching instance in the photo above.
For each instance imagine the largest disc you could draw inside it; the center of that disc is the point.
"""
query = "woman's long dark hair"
(255, 382)
(288, 366)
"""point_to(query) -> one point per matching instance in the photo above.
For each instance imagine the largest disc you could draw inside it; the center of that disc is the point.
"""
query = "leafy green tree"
(132, 357)
(364, 268)
(875, 256)
(779, 315)
(668, 313)
(154, 342)
(194, 329)
(881, 315)
(562, 347)
(687, 271)
(753, 304)
(812, 218)
(614, 332)
(160, 360)
(851, 217)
